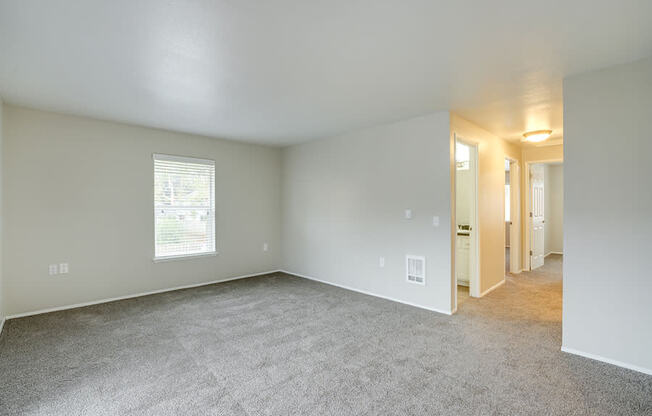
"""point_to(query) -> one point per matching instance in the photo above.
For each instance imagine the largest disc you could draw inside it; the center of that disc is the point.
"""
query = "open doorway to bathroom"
(466, 214)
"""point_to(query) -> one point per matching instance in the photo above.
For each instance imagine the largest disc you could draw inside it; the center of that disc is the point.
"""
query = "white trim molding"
(607, 360)
(492, 288)
(2, 325)
(163, 259)
(137, 295)
(183, 159)
(364, 292)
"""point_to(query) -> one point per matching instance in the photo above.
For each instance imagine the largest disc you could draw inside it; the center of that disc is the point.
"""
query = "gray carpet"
(281, 345)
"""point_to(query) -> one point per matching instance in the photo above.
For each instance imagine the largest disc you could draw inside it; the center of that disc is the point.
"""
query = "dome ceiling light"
(536, 136)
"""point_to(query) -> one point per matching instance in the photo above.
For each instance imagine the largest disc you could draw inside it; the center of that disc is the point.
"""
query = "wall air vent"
(415, 268)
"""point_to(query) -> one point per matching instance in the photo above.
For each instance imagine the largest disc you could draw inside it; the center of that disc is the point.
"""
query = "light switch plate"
(435, 221)
(408, 214)
(265, 247)
(381, 262)
(63, 268)
(53, 269)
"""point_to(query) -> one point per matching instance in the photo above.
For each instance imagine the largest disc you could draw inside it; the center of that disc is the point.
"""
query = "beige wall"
(607, 311)
(79, 190)
(543, 153)
(491, 196)
(344, 200)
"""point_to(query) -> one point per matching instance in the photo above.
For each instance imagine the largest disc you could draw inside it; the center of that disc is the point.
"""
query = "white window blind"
(184, 206)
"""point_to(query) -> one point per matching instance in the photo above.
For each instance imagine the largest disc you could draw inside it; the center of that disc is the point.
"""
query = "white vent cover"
(415, 268)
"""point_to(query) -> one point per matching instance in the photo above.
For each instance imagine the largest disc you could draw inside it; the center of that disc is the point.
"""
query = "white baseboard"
(364, 292)
(554, 252)
(607, 360)
(2, 324)
(492, 288)
(153, 292)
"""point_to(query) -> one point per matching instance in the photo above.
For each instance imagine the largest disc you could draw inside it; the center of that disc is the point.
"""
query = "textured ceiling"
(287, 71)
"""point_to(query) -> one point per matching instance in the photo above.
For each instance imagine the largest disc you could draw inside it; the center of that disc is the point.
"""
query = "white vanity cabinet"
(462, 271)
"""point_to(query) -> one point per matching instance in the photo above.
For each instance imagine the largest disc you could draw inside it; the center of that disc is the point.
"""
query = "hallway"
(516, 331)
(527, 294)
(535, 295)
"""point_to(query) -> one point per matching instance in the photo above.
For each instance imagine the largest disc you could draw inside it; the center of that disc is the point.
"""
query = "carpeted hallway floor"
(281, 345)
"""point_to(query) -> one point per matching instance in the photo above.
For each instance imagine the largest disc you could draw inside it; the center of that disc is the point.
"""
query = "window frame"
(184, 159)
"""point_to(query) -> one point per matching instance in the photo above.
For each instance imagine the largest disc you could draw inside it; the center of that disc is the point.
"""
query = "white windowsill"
(183, 257)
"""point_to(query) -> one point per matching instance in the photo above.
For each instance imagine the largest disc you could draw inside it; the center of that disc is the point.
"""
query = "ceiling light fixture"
(536, 136)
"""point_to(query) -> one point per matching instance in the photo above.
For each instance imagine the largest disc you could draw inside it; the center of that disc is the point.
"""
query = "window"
(184, 206)
(462, 156)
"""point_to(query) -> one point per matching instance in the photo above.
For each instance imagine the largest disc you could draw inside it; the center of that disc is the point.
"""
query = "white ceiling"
(286, 71)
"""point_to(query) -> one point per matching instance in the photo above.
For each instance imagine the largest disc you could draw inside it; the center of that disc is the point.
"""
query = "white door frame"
(528, 208)
(474, 257)
(514, 216)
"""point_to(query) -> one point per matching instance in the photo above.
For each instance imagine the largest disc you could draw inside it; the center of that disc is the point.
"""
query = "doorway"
(508, 222)
(545, 213)
(466, 220)
(512, 217)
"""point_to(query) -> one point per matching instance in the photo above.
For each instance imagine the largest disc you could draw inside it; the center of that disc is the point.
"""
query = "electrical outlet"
(53, 269)
(408, 214)
(63, 268)
(265, 247)
(435, 221)
(381, 262)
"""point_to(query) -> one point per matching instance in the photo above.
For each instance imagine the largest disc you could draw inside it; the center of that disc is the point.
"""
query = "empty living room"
(283, 207)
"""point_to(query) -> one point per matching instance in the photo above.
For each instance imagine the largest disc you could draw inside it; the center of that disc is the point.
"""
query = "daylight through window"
(184, 206)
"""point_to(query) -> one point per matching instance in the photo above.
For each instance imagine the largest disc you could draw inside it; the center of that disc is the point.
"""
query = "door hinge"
(530, 252)
(530, 214)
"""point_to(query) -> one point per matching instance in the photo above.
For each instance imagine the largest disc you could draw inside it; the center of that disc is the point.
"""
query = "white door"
(537, 215)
